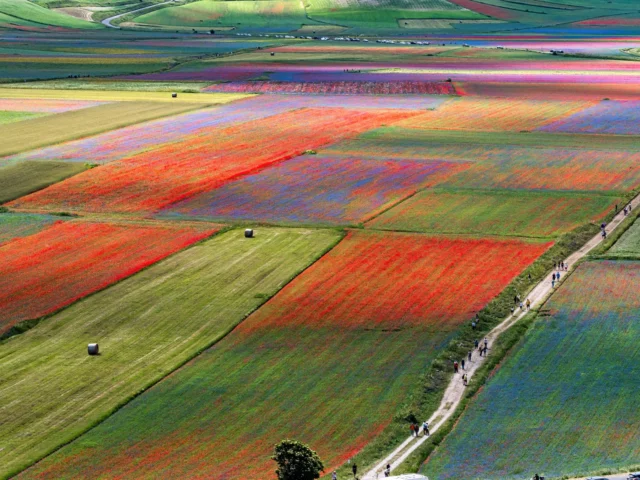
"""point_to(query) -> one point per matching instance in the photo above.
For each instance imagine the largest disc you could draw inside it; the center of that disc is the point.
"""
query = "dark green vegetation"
(27, 14)
(17, 180)
(296, 461)
(170, 311)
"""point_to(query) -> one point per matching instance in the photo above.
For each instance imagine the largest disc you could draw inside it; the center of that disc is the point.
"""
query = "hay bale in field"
(174, 95)
(93, 349)
(248, 233)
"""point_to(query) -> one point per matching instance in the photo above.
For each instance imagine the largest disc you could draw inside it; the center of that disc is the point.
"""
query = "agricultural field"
(564, 402)
(627, 246)
(609, 117)
(52, 268)
(196, 164)
(15, 225)
(66, 126)
(495, 212)
(19, 179)
(327, 360)
(317, 189)
(148, 325)
(10, 117)
(23, 13)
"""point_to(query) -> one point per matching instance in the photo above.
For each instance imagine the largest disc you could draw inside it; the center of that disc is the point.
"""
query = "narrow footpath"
(455, 390)
(107, 21)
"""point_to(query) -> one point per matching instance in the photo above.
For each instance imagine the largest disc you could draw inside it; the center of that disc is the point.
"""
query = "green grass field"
(146, 325)
(494, 212)
(267, 14)
(66, 126)
(564, 404)
(25, 13)
(10, 117)
(628, 245)
(19, 179)
(111, 86)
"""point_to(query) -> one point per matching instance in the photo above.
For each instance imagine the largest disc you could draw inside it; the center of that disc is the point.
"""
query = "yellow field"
(121, 96)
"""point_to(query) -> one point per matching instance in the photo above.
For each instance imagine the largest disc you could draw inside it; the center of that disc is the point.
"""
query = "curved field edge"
(424, 400)
(333, 237)
(562, 311)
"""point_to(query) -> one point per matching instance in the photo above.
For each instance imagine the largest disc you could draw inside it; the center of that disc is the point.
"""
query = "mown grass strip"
(20, 179)
(147, 326)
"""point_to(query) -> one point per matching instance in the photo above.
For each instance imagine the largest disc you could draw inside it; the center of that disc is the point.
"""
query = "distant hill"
(25, 14)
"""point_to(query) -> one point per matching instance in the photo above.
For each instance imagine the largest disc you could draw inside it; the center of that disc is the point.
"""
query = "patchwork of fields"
(390, 207)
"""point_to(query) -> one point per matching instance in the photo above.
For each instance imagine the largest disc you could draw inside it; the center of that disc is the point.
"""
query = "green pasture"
(10, 117)
(494, 212)
(147, 325)
(20, 179)
(271, 14)
(564, 403)
(62, 127)
(26, 13)
(628, 245)
(387, 18)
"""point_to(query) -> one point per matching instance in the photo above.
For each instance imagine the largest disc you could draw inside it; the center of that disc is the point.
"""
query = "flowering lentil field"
(317, 189)
(437, 198)
(327, 360)
(565, 401)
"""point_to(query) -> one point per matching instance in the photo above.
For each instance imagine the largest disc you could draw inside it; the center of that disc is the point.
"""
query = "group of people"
(415, 429)
(517, 301)
(603, 230)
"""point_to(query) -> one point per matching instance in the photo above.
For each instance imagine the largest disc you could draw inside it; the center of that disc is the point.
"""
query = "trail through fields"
(107, 21)
(455, 390)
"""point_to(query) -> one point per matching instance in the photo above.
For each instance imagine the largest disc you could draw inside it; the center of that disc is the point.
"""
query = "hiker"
(485, 350)
(558, 276)
(469, 356)
(354, 469)
(425, 428)
(387, 471)
(476, 343)
(334, 476)
(473, 325)
(625, 211)
(604, 234)
(455, 367)
(464, 379)
(553, 282)
(486, 342)
(528, 304)
(521, 306)
(602, 225)
(462, 363)
(412, 427)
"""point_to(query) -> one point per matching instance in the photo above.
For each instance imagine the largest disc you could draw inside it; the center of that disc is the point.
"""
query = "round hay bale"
(93, 349)
(248, 233)
(174, 95)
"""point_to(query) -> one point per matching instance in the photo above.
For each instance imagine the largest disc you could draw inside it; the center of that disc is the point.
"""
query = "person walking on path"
(485, 350)
(354, 469)
(455, 367)
(425, 428)
(464, 379)
(462, 363)
(476, 343)
(469, 356)
(334, 476)
(412, 427)
(486, 342)
(387, 471)
(528, 304)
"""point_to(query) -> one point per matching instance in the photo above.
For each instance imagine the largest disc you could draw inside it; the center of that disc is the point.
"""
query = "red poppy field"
(42, 273)
(328, 361)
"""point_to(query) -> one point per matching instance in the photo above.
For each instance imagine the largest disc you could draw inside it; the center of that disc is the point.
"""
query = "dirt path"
(107, 21)
(455, 391)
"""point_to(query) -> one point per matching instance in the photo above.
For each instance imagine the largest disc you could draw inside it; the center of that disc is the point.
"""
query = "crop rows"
(609, 117)
(328, 361)
(340, 88)
(565, 402)
(15, 225)
(60, 264)
(174, 172)
(34, 105)
(311, 189)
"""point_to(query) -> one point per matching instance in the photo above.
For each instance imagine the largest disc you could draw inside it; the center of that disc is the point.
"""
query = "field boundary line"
(454, 393)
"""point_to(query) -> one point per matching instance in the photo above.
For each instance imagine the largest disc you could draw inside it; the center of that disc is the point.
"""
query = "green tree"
(296, 461)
